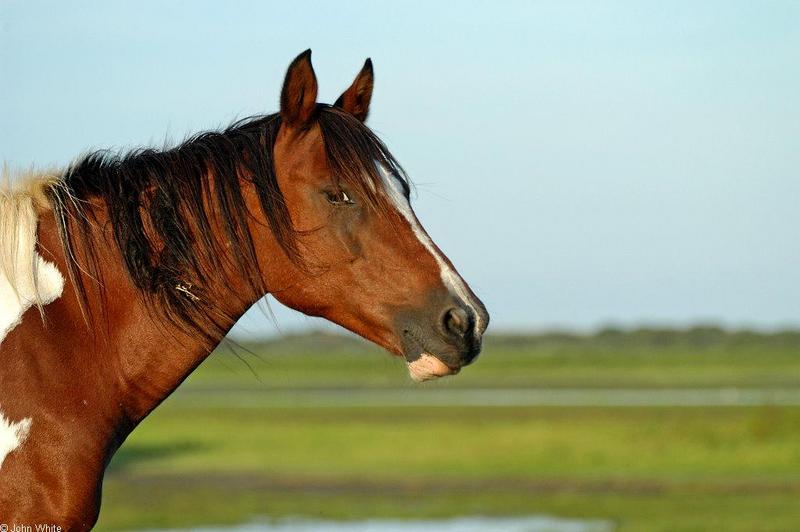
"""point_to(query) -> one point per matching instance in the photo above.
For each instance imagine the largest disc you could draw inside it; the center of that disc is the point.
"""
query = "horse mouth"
(428, 367)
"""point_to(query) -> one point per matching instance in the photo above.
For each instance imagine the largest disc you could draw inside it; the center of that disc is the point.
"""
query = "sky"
(583, 164)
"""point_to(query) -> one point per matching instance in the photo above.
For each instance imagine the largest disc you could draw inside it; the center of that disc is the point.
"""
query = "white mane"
(26, 279)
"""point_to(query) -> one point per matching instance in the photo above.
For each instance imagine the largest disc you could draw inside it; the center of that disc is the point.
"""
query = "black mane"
(162, 205)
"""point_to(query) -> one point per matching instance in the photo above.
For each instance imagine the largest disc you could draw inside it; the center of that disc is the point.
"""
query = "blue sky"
(582, 163)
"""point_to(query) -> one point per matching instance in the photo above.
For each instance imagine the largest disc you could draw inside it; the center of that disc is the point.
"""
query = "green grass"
(194, 462)
(407, 443)
(700, 358)
(659, 508)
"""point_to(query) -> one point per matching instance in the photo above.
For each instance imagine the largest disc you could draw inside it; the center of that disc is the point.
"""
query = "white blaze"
(450, 278)
(12, 435)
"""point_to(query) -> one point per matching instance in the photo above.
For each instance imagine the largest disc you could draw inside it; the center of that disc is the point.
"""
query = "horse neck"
(81, 387)
(145, 356)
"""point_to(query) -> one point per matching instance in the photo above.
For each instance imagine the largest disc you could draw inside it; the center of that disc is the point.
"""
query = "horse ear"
(299, 93)
(355, 100)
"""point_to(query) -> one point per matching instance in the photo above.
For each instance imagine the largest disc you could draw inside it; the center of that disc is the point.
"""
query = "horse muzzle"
(447, 337)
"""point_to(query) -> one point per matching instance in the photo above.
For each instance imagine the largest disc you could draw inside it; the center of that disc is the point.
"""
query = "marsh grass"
(194, 462)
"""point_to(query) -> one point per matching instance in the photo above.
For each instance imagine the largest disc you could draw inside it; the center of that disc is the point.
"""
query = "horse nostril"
(456, 321)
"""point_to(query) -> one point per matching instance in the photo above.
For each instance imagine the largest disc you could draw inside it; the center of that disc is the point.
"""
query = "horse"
(139, 263)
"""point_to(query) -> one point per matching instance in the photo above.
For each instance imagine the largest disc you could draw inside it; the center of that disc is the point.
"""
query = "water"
(462, 524)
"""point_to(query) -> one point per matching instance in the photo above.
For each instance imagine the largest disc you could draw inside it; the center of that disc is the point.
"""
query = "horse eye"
(339, 197)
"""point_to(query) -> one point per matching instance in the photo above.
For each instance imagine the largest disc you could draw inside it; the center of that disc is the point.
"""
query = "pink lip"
(428, 367)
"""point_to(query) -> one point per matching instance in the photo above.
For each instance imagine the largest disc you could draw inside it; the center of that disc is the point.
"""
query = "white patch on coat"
(450, 278)
(26, 279)
(12, 435)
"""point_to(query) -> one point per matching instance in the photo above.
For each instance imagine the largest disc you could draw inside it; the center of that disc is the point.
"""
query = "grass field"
(261, 453)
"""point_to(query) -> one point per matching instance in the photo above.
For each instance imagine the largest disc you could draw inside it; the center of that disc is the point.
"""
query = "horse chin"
(427, 367)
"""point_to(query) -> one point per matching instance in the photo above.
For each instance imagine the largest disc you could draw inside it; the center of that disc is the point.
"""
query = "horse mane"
(26, 279)
(162, 205)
